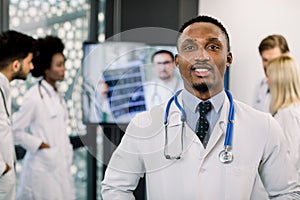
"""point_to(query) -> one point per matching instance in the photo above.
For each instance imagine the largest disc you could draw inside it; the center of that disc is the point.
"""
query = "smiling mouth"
(201, 71)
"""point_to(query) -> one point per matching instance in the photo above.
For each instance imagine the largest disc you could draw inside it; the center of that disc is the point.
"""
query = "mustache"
(201, 65)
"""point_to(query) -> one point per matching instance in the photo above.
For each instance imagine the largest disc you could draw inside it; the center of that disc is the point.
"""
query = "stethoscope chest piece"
(226, 156)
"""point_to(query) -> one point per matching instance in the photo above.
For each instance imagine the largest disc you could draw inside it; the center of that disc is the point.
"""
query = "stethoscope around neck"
(225, 155)
(39, 87)
(4, 102)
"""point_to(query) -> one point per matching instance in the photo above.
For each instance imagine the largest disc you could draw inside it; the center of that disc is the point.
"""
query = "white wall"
(248, 22)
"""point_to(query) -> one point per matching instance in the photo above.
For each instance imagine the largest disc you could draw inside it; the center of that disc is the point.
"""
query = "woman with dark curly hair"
(46, 168)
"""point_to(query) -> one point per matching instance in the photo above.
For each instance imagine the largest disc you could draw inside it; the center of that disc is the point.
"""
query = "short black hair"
(163, 51)
(15, 46)
(208, 19)
(47, 47)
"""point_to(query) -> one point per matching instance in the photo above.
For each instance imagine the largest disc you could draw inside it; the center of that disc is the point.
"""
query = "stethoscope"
(41, 85)
(4, 102)
(225, 155)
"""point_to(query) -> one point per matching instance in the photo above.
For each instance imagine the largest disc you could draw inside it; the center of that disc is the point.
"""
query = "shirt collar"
(191, 101)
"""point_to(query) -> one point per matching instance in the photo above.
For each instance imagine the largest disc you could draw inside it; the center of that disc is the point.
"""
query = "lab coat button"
(202, 170)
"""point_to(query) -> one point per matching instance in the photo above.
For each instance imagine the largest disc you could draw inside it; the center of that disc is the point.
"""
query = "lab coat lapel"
(49, 106)
(47, 99)
(189, 135)
(219, 130)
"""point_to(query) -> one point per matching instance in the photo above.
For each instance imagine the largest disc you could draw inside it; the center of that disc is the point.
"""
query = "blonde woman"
(284, 81)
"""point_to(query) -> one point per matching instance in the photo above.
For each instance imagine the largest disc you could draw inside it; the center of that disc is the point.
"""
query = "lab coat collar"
(49, 87)
(48, 91)
(219, 130)
(4, 82)
(191, 101)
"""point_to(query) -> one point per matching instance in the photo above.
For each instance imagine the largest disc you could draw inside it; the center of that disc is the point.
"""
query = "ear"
(15, 66)
(177, 60)
(229, 59)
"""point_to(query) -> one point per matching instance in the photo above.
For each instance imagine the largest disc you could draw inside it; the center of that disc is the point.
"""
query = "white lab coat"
(289, 119)
(45, 173)
(157, 91)
(262, 97)
(260, 169)
(7, 150)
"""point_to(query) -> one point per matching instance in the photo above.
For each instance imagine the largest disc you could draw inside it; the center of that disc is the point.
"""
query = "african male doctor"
(260, 167)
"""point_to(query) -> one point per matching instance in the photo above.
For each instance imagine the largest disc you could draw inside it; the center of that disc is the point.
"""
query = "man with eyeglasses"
(164, 85)
(167, 81)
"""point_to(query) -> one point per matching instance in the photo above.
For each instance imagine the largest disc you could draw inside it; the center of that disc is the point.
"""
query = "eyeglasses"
(168, 62)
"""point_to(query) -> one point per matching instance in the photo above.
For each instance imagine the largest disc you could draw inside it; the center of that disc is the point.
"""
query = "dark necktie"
(203, 124)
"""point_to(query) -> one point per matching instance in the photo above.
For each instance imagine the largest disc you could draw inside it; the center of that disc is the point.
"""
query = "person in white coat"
(40, 126)
(269, 48)
(16, 53)
(285, 101)
(260, 169)
(166, 81)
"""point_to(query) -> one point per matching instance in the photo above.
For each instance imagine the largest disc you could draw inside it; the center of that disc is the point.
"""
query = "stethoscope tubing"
(229, 129)
(39, 87)
(4, 102)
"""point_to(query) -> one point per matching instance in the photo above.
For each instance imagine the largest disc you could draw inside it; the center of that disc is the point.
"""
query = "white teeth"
(201, 70)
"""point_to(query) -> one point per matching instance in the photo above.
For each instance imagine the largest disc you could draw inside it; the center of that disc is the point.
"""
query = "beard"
(201, 87)
(20, 74)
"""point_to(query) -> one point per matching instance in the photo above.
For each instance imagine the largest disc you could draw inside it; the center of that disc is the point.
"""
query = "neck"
(7, 75)
(51, 82)
(167, 80)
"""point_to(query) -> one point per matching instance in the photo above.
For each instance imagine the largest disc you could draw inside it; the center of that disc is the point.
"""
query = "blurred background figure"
(46, 167)
(284, 82)
(269, 48)
(166, 81)
(16, 54)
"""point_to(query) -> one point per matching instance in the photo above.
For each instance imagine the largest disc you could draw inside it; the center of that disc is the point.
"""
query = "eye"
(60, 64)
(189, 48)
(213, 47)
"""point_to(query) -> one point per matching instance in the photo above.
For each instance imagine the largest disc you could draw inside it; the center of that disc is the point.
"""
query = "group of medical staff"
(40, 124)
(279, 91)
(246, 149)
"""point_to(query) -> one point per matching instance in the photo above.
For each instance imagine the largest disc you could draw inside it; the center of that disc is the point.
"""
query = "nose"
(64, 67)
(201, 55)
(31, 66)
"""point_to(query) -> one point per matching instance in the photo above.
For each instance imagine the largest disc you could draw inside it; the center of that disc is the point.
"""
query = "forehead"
(162, 56)
(271, 53)
(202, 31)
(28, 57)
(58, 56)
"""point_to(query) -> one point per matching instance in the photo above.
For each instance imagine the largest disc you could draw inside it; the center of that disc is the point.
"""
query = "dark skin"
(202, 59)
